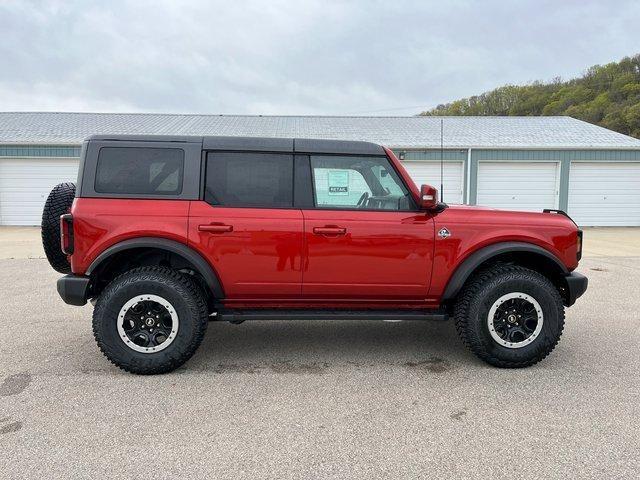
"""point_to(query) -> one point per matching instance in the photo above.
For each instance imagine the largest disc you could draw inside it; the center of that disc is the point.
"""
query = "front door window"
(352, 182)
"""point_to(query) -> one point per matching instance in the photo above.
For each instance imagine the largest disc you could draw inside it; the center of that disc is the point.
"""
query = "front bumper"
(73, 289)
(576, 285)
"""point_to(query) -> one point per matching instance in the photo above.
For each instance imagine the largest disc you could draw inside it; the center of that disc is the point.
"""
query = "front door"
(364, 239)
(247, 227)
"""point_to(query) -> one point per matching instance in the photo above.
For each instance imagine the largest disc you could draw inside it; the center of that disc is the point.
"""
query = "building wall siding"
(69, 151)
(557, 155)
(457, 155)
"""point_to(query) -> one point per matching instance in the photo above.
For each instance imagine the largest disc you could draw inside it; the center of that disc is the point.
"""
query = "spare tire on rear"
(58, 203)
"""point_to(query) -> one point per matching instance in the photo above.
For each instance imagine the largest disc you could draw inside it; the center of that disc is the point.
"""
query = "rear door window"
(140, 171)
(236, 179)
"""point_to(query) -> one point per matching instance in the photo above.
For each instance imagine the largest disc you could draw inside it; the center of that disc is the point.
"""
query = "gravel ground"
(320, 399)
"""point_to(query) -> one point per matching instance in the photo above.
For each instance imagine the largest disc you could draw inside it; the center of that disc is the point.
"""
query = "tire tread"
(152, 273)
(58, 203)
(473, 288)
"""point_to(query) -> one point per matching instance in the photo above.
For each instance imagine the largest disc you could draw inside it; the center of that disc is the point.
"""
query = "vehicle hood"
(481, 214)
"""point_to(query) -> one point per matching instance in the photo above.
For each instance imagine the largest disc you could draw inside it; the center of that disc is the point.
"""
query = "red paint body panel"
(99, 223)
(473, 228)
(261, 258)
(382, 255)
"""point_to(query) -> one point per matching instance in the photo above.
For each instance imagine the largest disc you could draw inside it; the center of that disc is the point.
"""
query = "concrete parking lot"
(321, 399)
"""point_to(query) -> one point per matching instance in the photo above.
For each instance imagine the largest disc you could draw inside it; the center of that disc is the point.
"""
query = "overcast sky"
(295, 57)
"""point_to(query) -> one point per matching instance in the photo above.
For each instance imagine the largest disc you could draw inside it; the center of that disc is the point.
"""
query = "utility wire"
(385, 110)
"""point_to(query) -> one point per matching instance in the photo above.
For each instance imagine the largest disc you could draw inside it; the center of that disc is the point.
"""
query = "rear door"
(247, 226)
(364, 238)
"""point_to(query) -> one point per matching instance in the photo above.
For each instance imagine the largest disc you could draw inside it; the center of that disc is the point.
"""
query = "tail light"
(579, 245)
(66, 233)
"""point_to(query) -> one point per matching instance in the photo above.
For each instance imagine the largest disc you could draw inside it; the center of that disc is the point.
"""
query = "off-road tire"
(58, 203)
(180, 290)
(482, 290)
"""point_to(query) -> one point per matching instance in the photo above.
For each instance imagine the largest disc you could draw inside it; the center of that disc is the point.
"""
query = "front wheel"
(150, 320)
(509, 316)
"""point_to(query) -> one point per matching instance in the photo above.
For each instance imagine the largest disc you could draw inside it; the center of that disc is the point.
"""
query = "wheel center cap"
(512, 318)
(149, 321)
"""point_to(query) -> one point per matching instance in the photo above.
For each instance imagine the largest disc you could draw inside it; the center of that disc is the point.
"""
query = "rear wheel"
(509, 316)
(150, 320)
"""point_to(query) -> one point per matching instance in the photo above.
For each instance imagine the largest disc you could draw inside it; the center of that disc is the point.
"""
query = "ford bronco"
(164, 233)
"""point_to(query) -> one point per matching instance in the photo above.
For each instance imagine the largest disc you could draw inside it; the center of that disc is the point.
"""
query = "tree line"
(606, 95)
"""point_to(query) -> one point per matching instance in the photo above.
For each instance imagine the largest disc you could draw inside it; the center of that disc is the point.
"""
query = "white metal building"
(523, 163)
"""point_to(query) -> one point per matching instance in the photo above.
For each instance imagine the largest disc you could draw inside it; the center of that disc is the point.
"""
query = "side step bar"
(237, 316)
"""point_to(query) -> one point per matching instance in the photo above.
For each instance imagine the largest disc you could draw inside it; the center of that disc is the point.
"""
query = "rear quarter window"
(140, 171)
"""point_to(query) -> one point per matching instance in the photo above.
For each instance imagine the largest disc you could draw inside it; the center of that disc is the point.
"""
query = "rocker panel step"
(302, 314)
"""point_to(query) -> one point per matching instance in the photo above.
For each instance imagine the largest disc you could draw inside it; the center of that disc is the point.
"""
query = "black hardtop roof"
(266, 144)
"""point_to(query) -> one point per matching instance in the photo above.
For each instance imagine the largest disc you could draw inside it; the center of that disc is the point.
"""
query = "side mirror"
(428, 197)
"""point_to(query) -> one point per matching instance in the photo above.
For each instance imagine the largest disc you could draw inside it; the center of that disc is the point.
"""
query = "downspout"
(468, 183)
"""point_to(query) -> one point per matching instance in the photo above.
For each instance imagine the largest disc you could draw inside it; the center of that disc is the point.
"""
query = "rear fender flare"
(202, 266)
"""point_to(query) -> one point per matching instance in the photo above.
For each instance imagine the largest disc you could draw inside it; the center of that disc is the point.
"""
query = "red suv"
(163, 234)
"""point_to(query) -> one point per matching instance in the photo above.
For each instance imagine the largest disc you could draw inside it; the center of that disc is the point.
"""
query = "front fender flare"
(473, 261)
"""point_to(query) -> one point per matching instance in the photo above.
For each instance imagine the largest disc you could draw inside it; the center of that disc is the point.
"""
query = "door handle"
(215, 228)
(329, 230)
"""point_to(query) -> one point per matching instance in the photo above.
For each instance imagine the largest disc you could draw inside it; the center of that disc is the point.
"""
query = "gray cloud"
(294, 57)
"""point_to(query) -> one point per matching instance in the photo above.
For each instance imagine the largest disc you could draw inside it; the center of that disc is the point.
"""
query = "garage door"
(25, 184)
(606, 193)
(429, 173)
(529, 186)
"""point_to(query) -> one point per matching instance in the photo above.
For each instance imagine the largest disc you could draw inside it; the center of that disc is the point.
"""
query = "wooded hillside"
(607, 95)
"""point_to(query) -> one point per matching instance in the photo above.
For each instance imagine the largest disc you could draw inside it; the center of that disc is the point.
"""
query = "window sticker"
(338, 182)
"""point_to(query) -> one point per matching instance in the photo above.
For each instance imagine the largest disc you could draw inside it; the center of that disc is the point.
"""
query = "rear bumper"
(576, 286)
(73, 289)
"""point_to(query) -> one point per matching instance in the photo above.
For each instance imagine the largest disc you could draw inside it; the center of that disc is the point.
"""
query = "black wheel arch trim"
(204, 268)
(473, 261)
